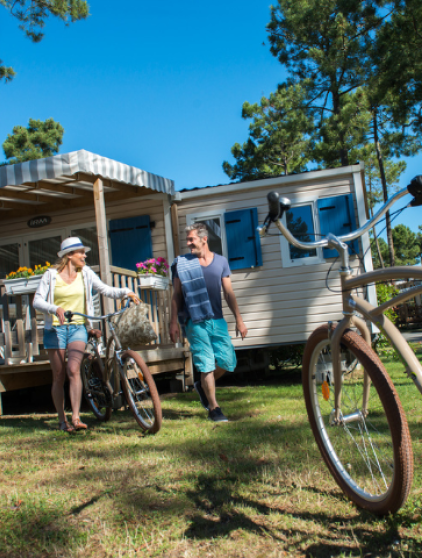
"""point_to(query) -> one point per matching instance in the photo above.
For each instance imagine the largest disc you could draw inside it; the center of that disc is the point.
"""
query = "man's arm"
(232, 304)
(176, 304)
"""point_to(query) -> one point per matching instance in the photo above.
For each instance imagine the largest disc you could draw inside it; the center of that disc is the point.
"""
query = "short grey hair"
(200, 229)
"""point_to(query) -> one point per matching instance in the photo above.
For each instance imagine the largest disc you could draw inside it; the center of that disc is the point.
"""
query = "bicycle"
(353, 407)
(137, 382)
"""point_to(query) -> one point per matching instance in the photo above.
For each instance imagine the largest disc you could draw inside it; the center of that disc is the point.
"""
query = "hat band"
(73, 246)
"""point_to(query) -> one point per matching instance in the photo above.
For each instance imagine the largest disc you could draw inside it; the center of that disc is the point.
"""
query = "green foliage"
(355, 105)
(38, 140)
(279, 136)
(382, 345)
(407, 246)
(32, 16)
(286, 357)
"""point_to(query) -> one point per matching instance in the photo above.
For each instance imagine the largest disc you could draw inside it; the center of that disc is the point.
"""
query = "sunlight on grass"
(250, 488)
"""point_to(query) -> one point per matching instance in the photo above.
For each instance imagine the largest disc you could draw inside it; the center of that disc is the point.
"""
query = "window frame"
(192, 218)
(286, 260)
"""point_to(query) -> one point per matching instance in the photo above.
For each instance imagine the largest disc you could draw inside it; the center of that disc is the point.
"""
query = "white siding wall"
(278, 304)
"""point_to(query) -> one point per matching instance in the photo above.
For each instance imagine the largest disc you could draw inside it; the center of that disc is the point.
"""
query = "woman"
(68, 286)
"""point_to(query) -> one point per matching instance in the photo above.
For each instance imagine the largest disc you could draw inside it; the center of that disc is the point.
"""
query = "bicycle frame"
(353, 304)
(106, 369)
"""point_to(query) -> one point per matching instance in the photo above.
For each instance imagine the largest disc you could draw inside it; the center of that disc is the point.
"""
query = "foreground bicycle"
(101, 390)
(353, 407)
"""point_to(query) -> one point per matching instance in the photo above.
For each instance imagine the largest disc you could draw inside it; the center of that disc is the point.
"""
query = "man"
(197, 281)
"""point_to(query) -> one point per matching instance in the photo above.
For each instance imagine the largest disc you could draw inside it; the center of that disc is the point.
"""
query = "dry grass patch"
(255, 487)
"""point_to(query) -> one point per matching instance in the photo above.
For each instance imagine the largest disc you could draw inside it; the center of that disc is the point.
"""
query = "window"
(313, 220)
(233, 234)
(214, 223)
(300, 220)
(9, 259)
(88, 236)
(43, 250)
(215, 242)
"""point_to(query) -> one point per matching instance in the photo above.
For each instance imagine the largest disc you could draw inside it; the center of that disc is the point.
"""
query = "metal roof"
(70, 176)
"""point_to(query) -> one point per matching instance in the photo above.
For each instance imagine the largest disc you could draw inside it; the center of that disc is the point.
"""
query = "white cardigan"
(44, 296)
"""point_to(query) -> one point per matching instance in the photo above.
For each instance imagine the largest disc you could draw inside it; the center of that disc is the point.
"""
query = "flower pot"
(155, 282)
(23, 285)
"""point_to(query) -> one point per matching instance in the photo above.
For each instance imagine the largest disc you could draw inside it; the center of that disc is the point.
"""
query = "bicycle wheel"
(96, 392)
(141, 392)
(368, 450)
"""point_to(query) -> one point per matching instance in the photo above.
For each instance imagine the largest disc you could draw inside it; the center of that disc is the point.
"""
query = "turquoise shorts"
(210, 344)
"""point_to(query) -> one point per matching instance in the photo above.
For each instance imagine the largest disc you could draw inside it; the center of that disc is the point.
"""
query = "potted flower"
(152, 273)
(24, 279)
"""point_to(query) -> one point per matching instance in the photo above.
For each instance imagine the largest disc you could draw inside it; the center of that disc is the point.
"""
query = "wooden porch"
(63, 195)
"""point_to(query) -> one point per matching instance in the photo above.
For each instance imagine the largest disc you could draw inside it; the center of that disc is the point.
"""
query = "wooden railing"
(158, 301)
(21, 328)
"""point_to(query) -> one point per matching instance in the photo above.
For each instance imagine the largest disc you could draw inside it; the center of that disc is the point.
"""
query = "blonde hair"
(62, 262)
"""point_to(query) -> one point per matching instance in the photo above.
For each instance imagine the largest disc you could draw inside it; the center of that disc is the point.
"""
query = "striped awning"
(67, 165)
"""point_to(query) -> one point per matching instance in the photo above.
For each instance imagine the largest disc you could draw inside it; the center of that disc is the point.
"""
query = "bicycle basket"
(133, 326)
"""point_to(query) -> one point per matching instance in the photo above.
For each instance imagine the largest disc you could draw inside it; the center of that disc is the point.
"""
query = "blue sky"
(157, 85)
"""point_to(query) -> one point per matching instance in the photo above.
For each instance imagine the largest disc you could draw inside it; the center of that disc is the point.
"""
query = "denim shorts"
(210, 344)
(59, 337)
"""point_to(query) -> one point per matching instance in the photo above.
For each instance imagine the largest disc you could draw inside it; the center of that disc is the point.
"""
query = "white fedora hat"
(70, 244)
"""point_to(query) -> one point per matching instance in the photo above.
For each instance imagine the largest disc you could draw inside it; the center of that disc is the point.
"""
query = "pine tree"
(38, 140)
(32, 16)
(280, 136)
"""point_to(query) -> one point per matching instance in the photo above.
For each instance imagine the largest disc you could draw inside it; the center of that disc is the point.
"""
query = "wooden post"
(175, 229)
(100, 219)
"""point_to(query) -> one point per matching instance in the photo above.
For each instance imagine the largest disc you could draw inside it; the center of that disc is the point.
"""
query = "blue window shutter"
(243, 241)
(337, 216)
(130, 240)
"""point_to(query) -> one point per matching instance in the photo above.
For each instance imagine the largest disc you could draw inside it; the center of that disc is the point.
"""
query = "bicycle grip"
(273, 205)
(277, 206)
(68, 315)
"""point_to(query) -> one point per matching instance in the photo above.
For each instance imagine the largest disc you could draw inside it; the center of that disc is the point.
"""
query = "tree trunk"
(384, 191)
(374, 232)
(377, 244)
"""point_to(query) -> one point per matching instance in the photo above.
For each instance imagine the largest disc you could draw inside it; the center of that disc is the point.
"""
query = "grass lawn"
(254, 487)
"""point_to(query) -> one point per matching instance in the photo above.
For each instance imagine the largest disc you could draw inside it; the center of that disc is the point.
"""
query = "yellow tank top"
(70, 297)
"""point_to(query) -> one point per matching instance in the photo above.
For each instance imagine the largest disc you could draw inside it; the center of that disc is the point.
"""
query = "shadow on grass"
(216, 503)
(218, 516)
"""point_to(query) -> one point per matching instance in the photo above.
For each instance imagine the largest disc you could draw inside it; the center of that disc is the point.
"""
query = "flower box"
(23, 285)
(155, 282)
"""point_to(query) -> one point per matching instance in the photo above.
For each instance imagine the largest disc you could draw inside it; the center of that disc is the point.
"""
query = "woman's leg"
(75, 353)
(58, 369)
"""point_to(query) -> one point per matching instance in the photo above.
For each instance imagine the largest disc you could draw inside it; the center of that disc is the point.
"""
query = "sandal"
(79, 425)
(66, 427)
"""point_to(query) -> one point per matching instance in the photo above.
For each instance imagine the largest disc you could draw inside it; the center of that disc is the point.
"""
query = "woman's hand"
(133, 298)
(60, 315)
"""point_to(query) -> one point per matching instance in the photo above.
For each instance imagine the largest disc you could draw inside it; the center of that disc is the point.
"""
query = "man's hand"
(174, 332)
(241, 329)
(60, 315)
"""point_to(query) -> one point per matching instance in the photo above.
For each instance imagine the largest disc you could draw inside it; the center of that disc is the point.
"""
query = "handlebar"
(277, 207)
(69, 314)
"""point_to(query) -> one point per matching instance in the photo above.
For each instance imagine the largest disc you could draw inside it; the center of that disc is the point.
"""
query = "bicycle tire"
(96, 392)
(369, 454)
(141, 392)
